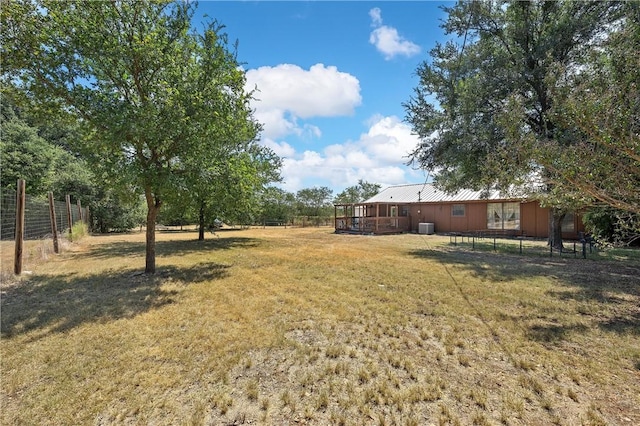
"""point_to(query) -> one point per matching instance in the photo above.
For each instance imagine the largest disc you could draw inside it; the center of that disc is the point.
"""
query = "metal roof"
(427, 193)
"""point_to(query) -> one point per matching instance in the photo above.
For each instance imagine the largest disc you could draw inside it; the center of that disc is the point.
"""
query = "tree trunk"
(201, 223)
(153, 207)
(555, 228)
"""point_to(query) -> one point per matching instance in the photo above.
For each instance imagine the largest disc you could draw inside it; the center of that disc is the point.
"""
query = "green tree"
(232, 172)
(601, 103)
(277, 205)
(126, 69)
(357, 193)
(243, 199)
(233, 194)
(613, 226)
(39, 153)
(178, 210)
(314, 201)
(477, 98)
(23, 153)
(113, 212)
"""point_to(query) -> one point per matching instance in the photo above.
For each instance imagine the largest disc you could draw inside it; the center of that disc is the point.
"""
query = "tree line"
(43, 155)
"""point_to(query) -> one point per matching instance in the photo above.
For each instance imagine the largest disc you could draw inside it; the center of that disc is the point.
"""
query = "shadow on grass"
(54, 304)
(612, 287)
(174, 248)
(553, 333)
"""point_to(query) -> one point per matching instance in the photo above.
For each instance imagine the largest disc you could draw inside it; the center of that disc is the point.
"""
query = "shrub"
(613, 226)
(78, 231)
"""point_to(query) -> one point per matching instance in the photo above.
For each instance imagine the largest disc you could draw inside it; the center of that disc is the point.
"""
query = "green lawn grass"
(284, 326)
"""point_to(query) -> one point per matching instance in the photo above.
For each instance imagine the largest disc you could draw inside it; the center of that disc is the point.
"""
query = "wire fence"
(582, 248)
(37, 218)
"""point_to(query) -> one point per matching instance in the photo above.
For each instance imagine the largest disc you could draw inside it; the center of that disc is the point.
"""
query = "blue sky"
(331, 79)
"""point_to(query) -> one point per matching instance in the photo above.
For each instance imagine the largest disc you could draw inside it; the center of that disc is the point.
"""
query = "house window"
(569, 223)
(503, 216)
(457, 210)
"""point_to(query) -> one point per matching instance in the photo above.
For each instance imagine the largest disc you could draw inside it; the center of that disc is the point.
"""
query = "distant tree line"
(277, 206)
(44, 154)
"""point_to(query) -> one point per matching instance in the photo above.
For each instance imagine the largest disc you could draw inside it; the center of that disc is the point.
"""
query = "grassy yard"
(303, 326)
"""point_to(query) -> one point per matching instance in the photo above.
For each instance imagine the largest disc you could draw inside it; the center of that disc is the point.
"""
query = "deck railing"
(372, 225)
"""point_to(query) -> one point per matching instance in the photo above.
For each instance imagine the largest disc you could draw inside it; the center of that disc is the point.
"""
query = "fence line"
(37, 222)
(33, 218)
(523, 245)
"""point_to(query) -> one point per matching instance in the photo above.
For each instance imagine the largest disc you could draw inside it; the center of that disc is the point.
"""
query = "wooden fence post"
(20, 208)
(69, 218)
(54, 226)
(79, 211)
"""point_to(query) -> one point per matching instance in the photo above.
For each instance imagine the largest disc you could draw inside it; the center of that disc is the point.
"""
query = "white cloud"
(287, 93)
(378, 156)
(387, 39)
(376, 16)
(281, 149)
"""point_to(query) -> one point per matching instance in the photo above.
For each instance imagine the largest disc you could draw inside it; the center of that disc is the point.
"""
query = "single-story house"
(420, 207)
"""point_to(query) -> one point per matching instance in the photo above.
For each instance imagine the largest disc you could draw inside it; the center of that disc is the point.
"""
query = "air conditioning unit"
(426, 228)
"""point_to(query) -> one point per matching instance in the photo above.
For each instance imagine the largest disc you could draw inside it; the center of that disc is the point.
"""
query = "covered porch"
(372, 218)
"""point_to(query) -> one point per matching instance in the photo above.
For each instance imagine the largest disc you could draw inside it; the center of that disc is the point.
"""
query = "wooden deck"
(372, 225)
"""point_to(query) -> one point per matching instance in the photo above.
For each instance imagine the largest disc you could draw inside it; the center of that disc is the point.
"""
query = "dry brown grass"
(35, 252)
(282, 326)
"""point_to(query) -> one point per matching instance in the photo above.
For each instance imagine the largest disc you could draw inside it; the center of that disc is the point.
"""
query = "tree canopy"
(357, 193)
(157, 99)
(278, 205)
(312, 201)
(479, 97)
(40, 153)
(601, 103)
(24, 154)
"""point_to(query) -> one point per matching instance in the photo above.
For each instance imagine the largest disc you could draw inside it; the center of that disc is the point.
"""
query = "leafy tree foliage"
(601, 103)
(278, 205)
(230, 169)
(178, 210)
(314, 201)
(25, 155)
(613, 226)
(111, 213)
(39, 153)
(153, 95)
(357, 193)
(242, 201)
(477, 99)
